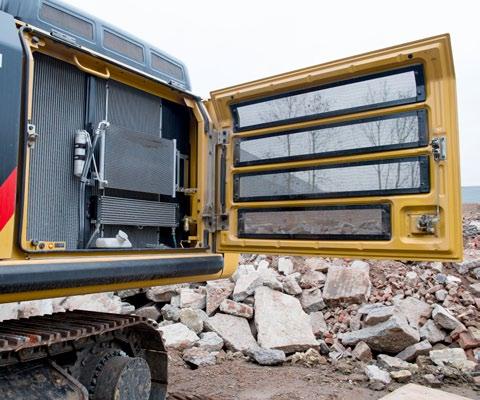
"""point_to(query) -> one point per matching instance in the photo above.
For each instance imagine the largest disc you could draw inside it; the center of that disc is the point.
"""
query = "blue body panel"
(168, 69)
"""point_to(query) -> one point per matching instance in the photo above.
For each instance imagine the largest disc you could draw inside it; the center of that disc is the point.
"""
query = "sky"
(230, 42)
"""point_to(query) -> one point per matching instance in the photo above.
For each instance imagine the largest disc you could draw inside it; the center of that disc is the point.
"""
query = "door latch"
(439, 148)
(427, 223)
(32, 136)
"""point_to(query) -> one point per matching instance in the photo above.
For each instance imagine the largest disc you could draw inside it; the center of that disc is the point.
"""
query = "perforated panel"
(167, 67)
(395, 176)
(397, 131)
(66, 21)
(368, 222)
(123, 46)
(401, 86)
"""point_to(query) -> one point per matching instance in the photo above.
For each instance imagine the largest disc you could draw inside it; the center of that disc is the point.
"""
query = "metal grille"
(133, 109)
(134, 212)
(390, 132)
(66, 21)
(394, 176)
(167, 67)
(138, 162)
(355, 222)
(123, 46)
(58, 111)
(401, 86)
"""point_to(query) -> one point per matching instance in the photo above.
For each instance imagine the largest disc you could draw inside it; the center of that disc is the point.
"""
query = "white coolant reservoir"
(119, 241)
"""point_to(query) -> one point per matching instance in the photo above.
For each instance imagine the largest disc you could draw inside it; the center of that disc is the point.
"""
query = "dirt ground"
(241, 380)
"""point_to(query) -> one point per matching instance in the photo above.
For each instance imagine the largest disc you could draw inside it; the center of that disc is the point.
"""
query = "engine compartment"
(108, 166)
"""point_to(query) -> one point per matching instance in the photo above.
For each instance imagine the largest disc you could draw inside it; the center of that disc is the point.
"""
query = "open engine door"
(353, 158)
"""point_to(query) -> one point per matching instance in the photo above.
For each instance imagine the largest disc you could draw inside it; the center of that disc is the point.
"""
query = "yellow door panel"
(353, 158)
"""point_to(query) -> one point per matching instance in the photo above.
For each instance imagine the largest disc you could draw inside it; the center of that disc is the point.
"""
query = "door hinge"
(439, 148)
(222, 137)
(32, 136)
(215, 222)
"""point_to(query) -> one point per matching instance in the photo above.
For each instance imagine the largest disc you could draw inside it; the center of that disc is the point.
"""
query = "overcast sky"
(228, 42)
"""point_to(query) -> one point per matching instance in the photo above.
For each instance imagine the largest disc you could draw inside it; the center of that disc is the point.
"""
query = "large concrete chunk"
(163, 294)
(312, 300)
(414, 310)
(444, 318)
(347, 284)
(431, 332)
(178, 336)
(246, 285)
(235, 331)
(217, 291)
(391, 336)
(412, 352)
(281, 323)
(237, 309)
(192, 298)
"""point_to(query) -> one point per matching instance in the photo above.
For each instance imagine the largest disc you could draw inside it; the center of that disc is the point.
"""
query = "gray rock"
(446, 357)
(281, 323)
(317, 264)
(235, 331)
(475, 289)
(285, 265)
(347, 284)
(467, 265)
(389, 363)
(312, 300)
(192, 298)
(402, 376)
(391, 336)
(210, 341)
(270, 279)
(312, 279)
(170, 312)
(246, 285)
(243, 269)
(319, 326)
(414, 310)
(217, 291)
(178, 336)
(291, 286)
(193, 318)
(432, 380)
(379, 314)
(264, 356)
(432, 333)
(150, 312)
(441, 295)
(378, 379)
(444, 318)
(412, 352)
(165, 323)
(235, 308)
(197, 357)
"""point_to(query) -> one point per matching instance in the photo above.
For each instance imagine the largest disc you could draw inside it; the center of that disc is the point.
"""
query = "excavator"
(114, 175)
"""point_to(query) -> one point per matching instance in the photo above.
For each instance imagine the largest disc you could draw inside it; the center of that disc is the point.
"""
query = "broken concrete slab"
(192, 298)
(178, 336)
(444, 318)
(455, 358)
(312, 279)
(415, 310)
(235, 308)
(163, 294)
(379, 314)
(150, 312)
(243, 269)
(362, 352)
(217, 291)
(412, 352)
(197, 357)
(285, 265)
(246, 285)
(193, 318)
(281, 323)
(235, 331)
(312, 300)
(391, 336)
(390, 363)
(170, 312)
(401, 376)
(414, 391)
(347, 284)
(431, 332)
(378, 379)
(319, 326)
(210, 341)
(270, 278)
(291, 286)
(317, 264)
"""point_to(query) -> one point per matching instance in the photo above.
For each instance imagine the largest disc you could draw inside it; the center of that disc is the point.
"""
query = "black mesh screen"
(66, 21)
(167, 67)
(401, 86)
(390, 132)
(123, 46)
(393, 176)
(369, 222)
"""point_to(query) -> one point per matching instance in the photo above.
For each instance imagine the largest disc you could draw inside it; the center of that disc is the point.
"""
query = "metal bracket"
(222, 137)
(439, 148)
(32, 136)
(427, 223)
